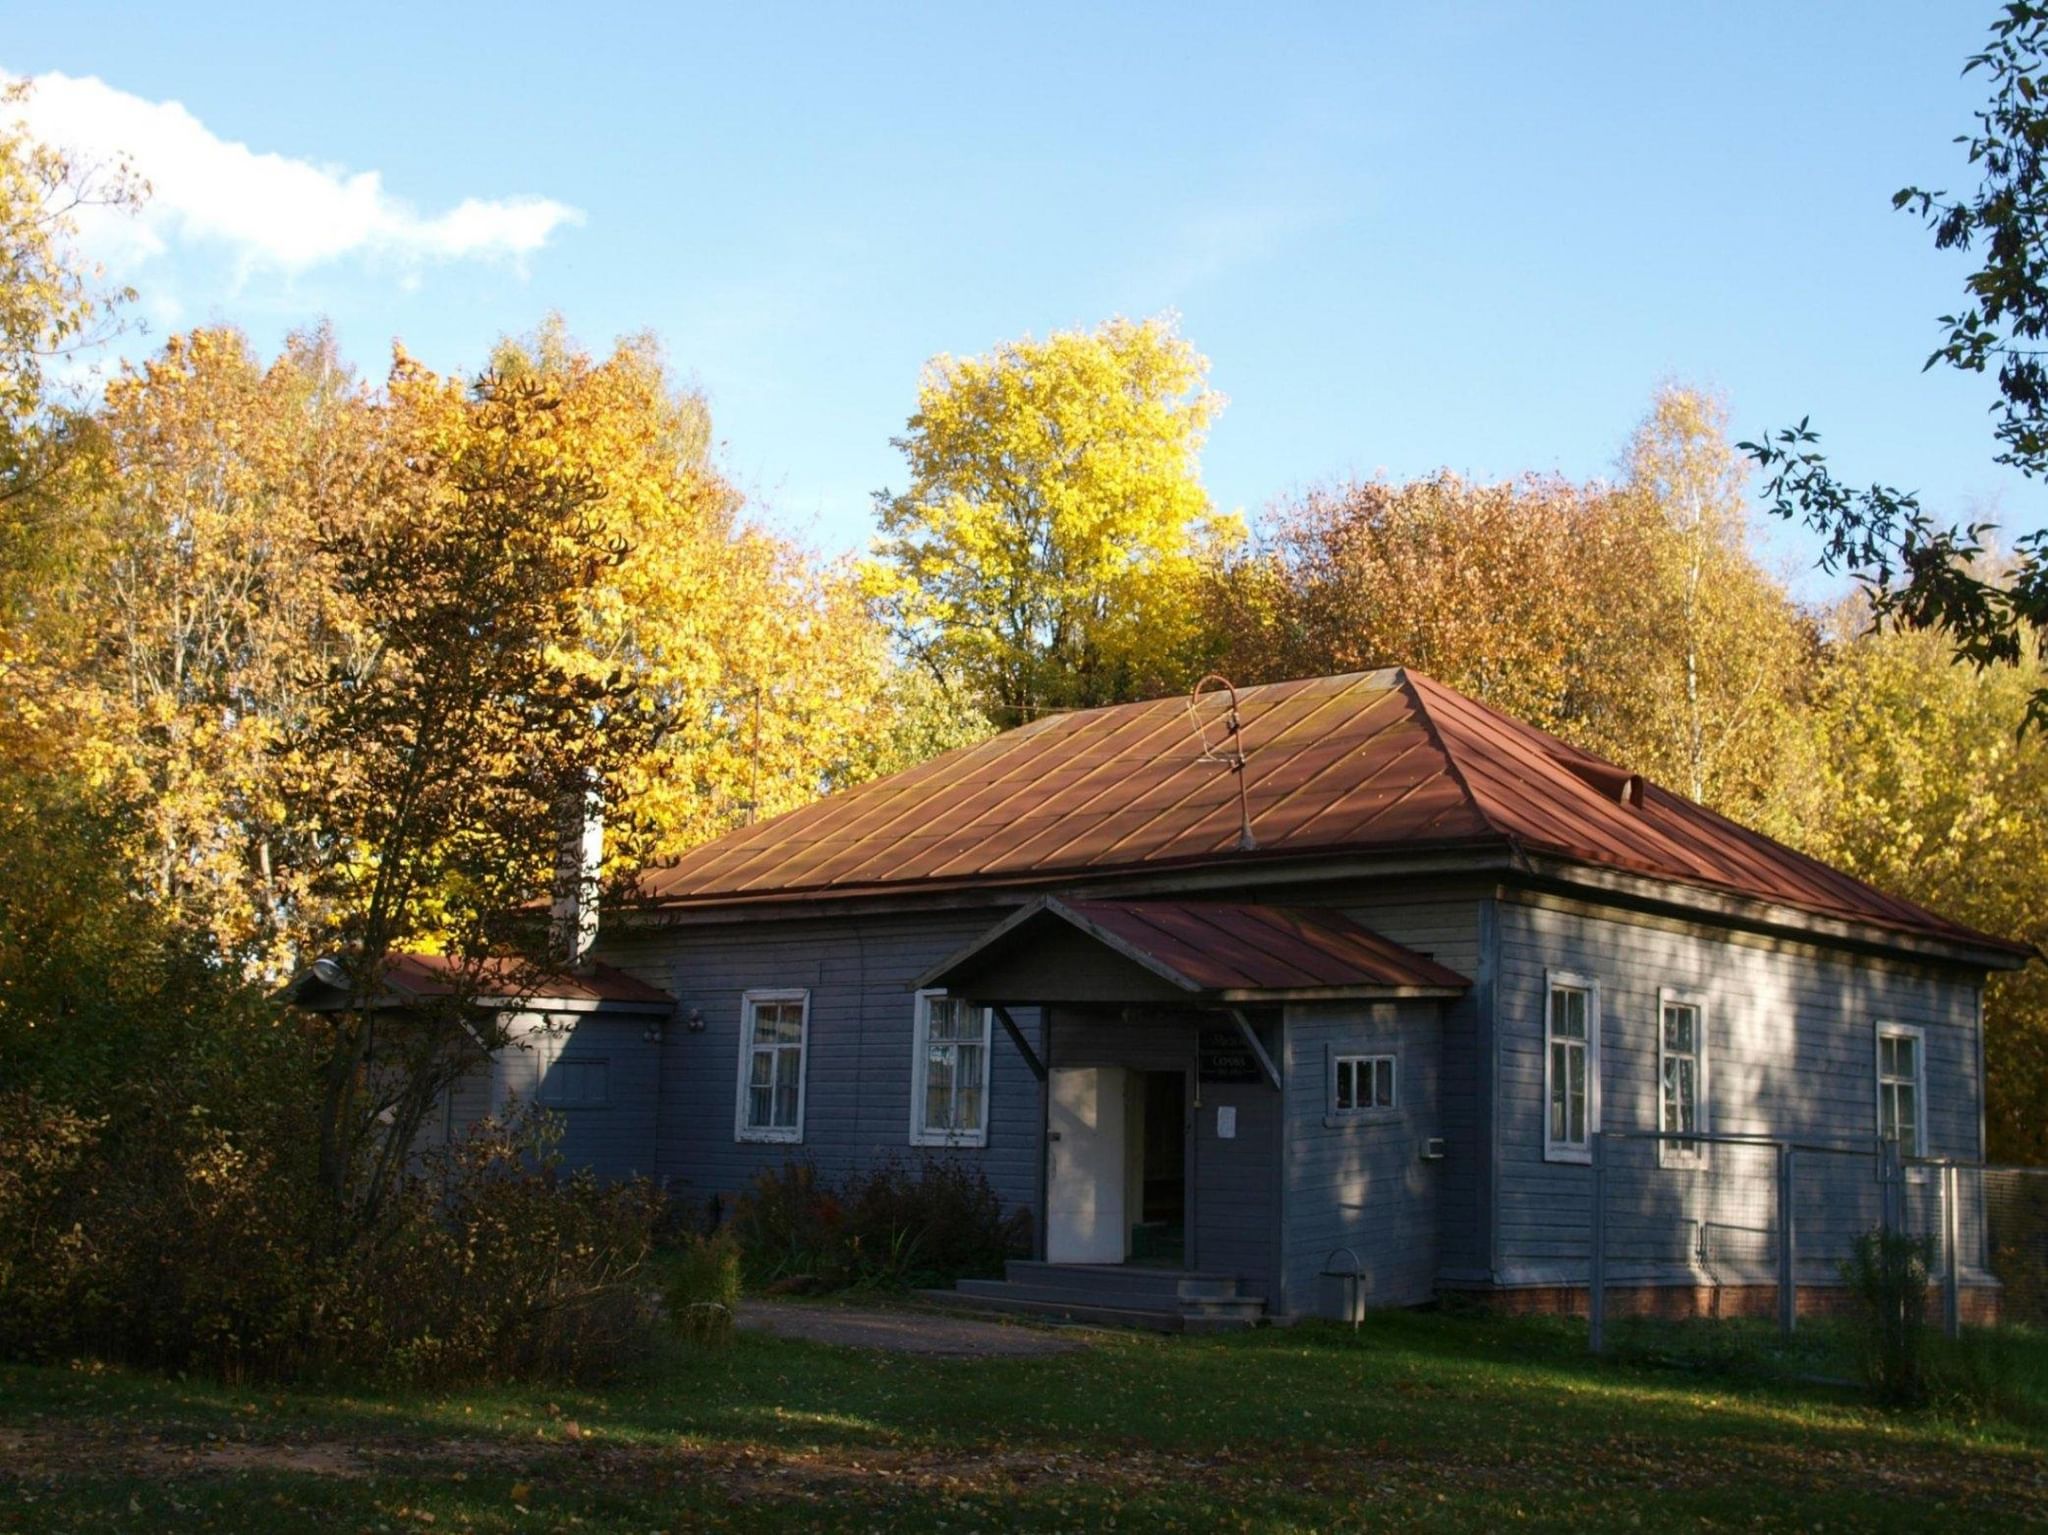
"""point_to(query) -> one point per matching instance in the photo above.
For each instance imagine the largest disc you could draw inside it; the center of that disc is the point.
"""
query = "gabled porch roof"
(1195, 952)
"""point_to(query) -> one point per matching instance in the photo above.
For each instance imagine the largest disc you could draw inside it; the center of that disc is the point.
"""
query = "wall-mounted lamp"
(652, 1033)
(694, 1022)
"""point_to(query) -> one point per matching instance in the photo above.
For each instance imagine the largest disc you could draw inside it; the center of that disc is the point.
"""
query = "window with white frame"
(1901, 1087)
(1571, 1067)
(1681, 1075)
(774, 1031)
(1363, 1084)
(949, 1073)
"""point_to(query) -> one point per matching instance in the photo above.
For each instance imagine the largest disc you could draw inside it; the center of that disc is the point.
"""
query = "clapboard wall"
(1791, 1032)
(859, 972)
(1360, 1182)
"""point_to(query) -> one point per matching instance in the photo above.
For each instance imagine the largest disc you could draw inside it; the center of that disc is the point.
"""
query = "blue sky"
(1407, 237)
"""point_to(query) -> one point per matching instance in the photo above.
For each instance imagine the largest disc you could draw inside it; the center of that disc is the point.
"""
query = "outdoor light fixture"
(695, 1021)
(652, 1033)
(329, 972)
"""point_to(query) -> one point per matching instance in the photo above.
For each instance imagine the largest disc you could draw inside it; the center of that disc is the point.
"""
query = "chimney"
(579, 859)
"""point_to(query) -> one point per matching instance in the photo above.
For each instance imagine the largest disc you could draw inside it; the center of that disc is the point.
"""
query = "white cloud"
(268, 210)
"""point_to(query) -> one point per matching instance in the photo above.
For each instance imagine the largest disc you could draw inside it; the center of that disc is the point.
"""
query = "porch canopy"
(1201, 954)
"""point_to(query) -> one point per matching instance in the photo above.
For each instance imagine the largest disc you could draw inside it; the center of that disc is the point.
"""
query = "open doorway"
(1159, 1183)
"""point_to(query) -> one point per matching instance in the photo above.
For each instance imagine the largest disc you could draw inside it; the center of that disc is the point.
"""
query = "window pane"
(763, 1070)
(1909, 1129)
(1346, 1076)
(760, 1104)
(938, 1087)
(1904, 1049)
(1576, 1127)
(1568, 1013)
(1383, 1084)
(967, 1100)
(1557, 1092)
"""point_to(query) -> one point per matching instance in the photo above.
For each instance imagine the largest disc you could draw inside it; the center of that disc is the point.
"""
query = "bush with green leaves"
(1888, 1275)
(702, 1291)
(896, 1225)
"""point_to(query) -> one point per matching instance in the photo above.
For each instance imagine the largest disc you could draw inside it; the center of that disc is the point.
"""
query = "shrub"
(702, 1294)
(895, 1225)
(493, 1265)
(1888, 1275)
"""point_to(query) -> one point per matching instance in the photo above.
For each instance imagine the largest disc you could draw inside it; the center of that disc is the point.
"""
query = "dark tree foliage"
(1920, 572)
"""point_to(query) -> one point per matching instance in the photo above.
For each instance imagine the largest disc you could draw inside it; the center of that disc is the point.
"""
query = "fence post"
(1596, 1289)
(1788, 1276)
(1951, 1241)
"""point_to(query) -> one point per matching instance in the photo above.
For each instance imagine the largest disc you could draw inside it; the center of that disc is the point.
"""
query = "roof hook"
(1231, 755)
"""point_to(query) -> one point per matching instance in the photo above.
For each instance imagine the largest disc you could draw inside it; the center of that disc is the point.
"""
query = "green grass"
(1416, 1422)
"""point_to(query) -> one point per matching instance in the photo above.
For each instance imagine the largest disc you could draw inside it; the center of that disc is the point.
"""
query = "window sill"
(770, 1137)
(947, 1141)
(1574, 1156)
(1361, 1118)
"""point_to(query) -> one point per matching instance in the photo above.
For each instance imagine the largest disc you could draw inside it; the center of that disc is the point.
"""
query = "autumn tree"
(1489, 587)
(1717, 669)
(54, 306)
(432, 772)
(768, 679)
(1922, 784)
(198, 601)
(1048, 549)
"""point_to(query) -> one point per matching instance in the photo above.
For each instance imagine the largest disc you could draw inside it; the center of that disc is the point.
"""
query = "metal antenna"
(1232, 755)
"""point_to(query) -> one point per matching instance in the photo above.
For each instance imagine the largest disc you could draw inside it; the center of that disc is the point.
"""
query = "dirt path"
(903, 1331)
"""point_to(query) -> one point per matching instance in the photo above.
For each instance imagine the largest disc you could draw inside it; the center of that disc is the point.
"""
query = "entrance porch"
(1163, 1146)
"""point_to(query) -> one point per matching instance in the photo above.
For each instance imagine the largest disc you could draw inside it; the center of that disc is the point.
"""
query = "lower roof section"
(1075, 951)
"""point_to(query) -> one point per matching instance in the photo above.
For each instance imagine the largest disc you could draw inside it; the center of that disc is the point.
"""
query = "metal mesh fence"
(1735, 1226)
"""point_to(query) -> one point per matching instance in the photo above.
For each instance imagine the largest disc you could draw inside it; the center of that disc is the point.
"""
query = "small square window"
(1363, 1084)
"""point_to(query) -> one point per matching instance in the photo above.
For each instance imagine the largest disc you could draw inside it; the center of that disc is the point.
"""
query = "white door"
(1084, 1199)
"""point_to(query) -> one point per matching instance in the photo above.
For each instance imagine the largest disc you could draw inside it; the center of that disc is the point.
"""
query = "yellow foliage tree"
(1050, 547)
(771, 682)
(1724, 652)
(1922, 784)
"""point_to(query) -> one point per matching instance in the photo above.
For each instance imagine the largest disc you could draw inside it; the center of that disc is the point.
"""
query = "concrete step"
(1121, 1279)
(1060, 1311)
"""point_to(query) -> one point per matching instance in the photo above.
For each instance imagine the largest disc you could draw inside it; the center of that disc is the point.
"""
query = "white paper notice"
(1226, 1122)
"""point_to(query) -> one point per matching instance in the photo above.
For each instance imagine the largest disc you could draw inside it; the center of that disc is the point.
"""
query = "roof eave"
(1976, 950)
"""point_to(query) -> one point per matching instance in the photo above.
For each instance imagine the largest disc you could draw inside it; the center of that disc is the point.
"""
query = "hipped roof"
(1362, 764)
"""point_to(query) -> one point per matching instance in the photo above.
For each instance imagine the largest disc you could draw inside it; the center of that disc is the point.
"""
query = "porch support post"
(1251, 1037)
(1017, 1038)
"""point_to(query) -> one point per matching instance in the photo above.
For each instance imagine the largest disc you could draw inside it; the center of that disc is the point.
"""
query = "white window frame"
(1672, 1153)
(1555, 1150)
(920, 1062)
(784, 1134)
(1368, 1059)
(1918, 1036)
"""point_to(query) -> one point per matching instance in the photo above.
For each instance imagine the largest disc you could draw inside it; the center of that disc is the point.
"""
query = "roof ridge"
(1408, 679)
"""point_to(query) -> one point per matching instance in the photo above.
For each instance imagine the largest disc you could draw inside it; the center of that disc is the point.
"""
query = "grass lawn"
(1417, 1422)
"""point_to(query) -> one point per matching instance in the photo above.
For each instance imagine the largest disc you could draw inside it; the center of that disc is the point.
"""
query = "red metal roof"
(1371, 762)
(1228, 947)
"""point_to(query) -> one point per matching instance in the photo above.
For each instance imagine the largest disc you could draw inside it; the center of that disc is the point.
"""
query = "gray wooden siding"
(862, 1016)
(614, 1139)
(1361, 1184)
(1454, 929)
(1791, 1054)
